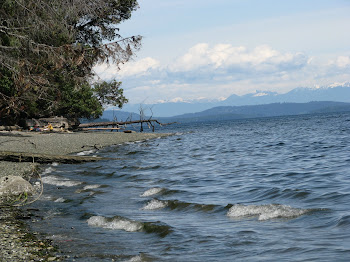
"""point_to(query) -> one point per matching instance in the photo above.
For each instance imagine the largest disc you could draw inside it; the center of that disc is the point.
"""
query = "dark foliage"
(47, 52)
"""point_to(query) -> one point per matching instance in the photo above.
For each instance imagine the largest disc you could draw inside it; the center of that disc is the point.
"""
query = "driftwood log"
(56, 122)
(9, 128)
(45, 158)
(95, 124)
(150, 122)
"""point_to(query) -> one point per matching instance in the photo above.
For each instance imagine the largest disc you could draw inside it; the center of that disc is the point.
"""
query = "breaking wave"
(59, 181)
(266, 212)
(121, 223)
(87, 152)
(181, 206)
(152, 191)
(155, 204)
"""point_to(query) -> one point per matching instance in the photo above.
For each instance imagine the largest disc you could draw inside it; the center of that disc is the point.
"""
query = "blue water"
(269, 189)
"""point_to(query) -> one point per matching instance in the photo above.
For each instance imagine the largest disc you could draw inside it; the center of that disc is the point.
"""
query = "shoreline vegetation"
(17, 242)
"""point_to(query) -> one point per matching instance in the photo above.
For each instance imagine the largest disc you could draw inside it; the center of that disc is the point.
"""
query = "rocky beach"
(17, 242)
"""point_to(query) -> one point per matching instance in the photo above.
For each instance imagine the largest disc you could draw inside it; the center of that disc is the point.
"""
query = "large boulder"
(13, 186)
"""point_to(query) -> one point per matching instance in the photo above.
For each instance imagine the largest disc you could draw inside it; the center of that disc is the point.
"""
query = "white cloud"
(132, 68)
(140, 67)
(214, 72)
(342, 61)
(228, 57)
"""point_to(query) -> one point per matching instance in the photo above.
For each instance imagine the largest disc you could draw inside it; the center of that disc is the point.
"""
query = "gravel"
(66, 143)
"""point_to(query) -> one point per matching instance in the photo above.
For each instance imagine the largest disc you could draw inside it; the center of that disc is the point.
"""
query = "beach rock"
(14, 185)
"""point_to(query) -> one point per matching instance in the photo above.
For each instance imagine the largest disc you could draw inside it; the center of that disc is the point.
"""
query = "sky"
(210, 49)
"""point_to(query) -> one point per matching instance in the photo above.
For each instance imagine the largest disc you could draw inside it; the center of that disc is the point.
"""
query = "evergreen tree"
(48, 49)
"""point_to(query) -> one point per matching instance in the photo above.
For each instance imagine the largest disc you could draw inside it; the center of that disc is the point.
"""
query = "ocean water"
(269, 189)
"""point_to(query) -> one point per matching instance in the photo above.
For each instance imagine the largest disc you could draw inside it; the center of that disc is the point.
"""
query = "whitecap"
(47, 171)
(58, 181)
(265, 212)
(87, 152)
(47, 197)
(155, 204)
(135, 259)
(37, 186)
(115, 223)
(152, 191)
(60, 200)
(89, 187)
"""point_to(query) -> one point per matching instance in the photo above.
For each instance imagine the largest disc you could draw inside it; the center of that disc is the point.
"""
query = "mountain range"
(335, 93)
(240, 112)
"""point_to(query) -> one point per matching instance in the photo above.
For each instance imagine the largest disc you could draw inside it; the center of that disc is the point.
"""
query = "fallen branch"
(100, 128)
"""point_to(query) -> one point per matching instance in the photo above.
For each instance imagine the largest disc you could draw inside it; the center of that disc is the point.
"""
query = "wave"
(115, 223)
(179, 205)
(140, 258)
(60, 200)
(87, 152)
(128, 225)
(266, 212)
(60, 181)
(344, 221)
(47, 171)
(155, 204)
(175, 204)
(152, 191)
(88, 188)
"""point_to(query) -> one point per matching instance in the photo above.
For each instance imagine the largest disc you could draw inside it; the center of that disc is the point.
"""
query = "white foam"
(115, 223)
(46, 197)
(48, 171)
(155, 204)
(37, 186)
(152, 191)
(84, 153)
(60, 200)
(58, 181)
(89, 187)
(265, 212)
(135, 259)
(54, 164)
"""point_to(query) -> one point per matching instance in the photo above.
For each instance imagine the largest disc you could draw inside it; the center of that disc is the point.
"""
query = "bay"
(268, 189)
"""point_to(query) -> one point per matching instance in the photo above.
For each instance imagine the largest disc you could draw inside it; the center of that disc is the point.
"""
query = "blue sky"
(201, 49)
